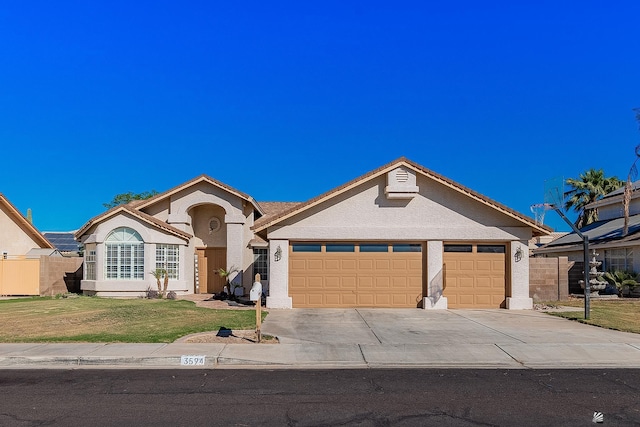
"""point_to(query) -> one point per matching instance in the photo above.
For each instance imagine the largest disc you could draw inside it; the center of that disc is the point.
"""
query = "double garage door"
(393, 275)
(355, 275)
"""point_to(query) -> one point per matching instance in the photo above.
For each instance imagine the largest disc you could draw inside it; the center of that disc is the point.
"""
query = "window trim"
(172, 267)
(127, 254)
(261, 263)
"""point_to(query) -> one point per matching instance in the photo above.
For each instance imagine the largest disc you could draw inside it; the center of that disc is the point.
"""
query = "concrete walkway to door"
(476, 338)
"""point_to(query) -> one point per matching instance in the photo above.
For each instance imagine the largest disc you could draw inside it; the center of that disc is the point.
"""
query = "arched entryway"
(210, 241)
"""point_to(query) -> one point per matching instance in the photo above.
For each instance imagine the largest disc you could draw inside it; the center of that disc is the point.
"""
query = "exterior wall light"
(278, 255)
(518, 255)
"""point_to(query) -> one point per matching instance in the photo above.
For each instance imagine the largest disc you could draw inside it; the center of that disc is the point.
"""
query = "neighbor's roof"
(23, 223)
(599, 233)
(64, 242)
(141, 204)
(615, 196)
(136, 213)
(38, 252)
(268, 221)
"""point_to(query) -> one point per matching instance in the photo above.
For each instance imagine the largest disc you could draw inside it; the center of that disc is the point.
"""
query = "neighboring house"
(539, 241)
(29, 263)
(17, 235)
(399, 236)
(616, 250)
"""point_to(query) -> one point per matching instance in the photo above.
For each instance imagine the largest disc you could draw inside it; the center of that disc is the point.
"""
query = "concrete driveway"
(412, 326)
(480, 338)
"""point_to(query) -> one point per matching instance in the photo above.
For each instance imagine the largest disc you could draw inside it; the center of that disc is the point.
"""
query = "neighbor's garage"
(475, 275)
(356, 275)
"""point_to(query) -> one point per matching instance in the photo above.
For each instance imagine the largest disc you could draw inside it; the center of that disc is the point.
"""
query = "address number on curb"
(192, 360)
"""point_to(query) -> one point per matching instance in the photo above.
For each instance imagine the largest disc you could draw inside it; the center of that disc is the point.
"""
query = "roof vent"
(401, 184)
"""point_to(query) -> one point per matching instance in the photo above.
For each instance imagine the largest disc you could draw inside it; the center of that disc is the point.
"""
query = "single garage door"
(474, 275)
(355, 275)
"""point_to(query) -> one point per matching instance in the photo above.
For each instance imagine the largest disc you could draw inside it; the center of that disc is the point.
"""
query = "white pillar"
(279, 275)
(235, 243)
(100, 261)
(519, 261)
(435, 277)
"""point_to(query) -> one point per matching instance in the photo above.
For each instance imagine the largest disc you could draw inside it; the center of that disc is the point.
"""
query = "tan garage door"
(355, 275)
(474, 275)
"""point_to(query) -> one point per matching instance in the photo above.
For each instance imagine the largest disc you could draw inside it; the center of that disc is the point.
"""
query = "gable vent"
(402, 176)
(401, 184)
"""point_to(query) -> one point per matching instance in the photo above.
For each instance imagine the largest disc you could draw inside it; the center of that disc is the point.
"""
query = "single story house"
(29, 263)
(617, 250)
(398, 236)
(17, 235)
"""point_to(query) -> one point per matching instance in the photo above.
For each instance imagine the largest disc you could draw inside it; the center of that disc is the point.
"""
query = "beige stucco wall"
(151, 236)
(13, 239)
(200, 217)
(437, 213)
(189, 210)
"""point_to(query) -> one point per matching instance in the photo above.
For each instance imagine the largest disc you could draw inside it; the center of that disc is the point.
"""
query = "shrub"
(622, 279)
(172, 295)
(152, 293)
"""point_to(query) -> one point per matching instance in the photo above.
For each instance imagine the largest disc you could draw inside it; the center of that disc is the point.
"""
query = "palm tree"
(226, 275)
(592, 185)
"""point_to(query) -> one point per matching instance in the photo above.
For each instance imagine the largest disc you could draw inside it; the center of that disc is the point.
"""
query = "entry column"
(519, 260)
(235, 243)
(279, 275)
(435, 277)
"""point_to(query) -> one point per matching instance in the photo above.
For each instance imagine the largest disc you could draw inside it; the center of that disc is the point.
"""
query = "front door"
(209, 261)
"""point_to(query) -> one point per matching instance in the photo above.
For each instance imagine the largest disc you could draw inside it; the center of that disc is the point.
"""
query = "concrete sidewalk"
(359, 338)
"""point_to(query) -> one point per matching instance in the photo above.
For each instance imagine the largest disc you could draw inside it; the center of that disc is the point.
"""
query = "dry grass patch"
(621, 315)
(90, 319)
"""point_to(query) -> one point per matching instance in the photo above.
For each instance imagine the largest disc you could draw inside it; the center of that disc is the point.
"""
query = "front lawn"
(621, 315)
(91, 319)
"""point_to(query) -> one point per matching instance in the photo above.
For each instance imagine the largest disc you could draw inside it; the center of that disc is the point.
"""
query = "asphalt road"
(364, 397)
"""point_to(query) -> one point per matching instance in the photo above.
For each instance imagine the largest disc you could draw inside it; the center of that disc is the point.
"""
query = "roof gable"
(154, 222)
(142, 204)
(23, 223)
(265, 222)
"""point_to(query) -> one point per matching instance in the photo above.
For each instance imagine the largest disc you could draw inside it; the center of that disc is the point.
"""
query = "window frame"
(163, 261)
(611, 257)
(90, 262)
(261, 263)
(124, 255)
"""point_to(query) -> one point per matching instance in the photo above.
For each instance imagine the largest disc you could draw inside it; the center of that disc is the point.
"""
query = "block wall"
(549, 279)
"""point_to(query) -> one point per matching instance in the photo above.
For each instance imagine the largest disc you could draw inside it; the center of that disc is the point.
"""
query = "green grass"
(91, 319)
(621, 315)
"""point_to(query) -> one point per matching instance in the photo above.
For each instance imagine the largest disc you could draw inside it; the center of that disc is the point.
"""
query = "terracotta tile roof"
(272, 209)
(28, 227)
(141, 215)
(268, 221)
(135, 206)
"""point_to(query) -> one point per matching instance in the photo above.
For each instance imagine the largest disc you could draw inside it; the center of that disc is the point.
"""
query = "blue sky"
(286, 100)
